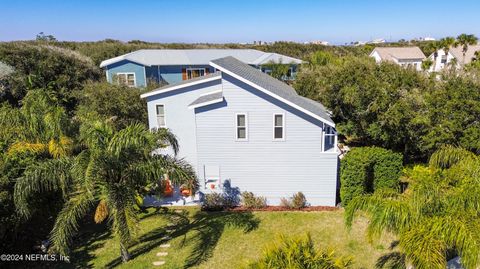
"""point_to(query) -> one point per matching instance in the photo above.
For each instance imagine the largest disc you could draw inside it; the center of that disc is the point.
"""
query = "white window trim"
(126, 77)
(196, 68)
(283, 127)
(236, 127)
(164, 115)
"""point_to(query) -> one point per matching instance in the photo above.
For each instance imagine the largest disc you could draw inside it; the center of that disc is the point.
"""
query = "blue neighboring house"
(242, 126)
(167, 66)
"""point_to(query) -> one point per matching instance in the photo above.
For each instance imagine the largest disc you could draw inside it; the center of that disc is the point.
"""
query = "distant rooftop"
(469, 55)
(404, 53)
(149, 57)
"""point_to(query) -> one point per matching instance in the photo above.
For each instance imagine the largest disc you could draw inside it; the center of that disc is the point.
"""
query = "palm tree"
(446, 43)
(465, 40)
(434, 46)
(437, 214)
(39, 126)
(109, 173)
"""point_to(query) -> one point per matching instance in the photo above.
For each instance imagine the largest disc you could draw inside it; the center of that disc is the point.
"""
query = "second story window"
(241, 126)
(161, 116)
(195, 72)
(127, 79)
(278, 127)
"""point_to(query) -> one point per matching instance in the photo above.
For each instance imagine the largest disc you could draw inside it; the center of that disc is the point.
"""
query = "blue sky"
(217, 21)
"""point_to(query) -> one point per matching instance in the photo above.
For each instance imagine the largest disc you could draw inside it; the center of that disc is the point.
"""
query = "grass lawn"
(223, 239)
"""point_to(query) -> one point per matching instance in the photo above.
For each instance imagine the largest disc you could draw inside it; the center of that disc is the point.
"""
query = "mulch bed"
(281, 208)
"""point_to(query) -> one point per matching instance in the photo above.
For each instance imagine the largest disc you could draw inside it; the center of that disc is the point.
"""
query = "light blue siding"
(173, 73)
(127, 67)
(152, 73)
(160, 74)
(179, 119)
(273, 169)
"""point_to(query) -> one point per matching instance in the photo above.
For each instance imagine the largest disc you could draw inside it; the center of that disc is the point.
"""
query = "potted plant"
(189, 188)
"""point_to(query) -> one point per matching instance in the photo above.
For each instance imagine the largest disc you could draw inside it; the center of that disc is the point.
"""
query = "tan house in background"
(404, 56)
(455, 56)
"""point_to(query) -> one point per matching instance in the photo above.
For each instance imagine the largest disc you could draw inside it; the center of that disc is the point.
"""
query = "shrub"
(251, 201)
(41, 66)
(284, 202)
(299, 200)
(120, 104)
(213, 202)
(217, 202)
(299, 253)
(367, 169)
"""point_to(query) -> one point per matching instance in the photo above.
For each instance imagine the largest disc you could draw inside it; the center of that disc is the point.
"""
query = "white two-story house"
(455, 56)
(243, 126)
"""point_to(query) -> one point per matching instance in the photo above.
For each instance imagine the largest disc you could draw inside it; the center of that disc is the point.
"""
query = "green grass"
(224, 240)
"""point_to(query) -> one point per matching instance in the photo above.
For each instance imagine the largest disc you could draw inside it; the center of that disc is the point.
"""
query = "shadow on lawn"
(208, 225)
(90, 241)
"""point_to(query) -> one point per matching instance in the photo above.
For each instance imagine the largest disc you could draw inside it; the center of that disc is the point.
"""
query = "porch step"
(165, 245)
(160, 254)
(158, 263)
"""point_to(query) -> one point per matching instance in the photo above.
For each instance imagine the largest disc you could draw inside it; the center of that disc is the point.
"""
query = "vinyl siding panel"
(273, 169)
(179, 119)
(152, 73)
(173, 73)
(127, 67)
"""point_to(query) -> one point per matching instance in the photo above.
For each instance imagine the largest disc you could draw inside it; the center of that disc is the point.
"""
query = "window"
(161, 116)
(267, 71)
(241, 126)
(127, 79)
(278, 127)
(195, 72)
(444, 59)
(290, 72)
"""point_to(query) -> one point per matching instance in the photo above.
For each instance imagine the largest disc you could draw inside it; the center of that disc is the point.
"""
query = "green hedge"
(366, 169)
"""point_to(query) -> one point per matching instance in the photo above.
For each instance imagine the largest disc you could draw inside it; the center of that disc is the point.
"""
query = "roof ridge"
(272, 87)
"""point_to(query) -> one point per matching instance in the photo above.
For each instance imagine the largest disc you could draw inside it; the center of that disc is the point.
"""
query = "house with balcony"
(242, 126)
(403, 56)
(168, 66)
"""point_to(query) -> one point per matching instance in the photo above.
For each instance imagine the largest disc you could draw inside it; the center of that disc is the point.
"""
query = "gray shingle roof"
(207, 99)
(272, 85)
(151, 57)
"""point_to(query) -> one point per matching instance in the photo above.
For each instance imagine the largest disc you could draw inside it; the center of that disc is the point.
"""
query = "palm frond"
(66, 223)
(449, 155)
(23, 147)
(96, 135)
(50, 175)
(121, 202)
(60, 148)
(166, 138)
(155, 167)
(387, 211)
(135, 136)
(423, 248)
